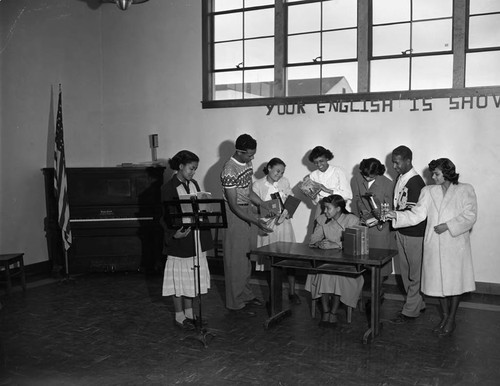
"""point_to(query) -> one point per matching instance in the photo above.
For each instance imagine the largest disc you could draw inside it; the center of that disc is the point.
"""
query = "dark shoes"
(402, 319)
(246, 312)
(255, 302)
(186, 325)
(294, 299)
(243, 312)
(439, 327)
(331, 322)
(196, 321)
(447, 330)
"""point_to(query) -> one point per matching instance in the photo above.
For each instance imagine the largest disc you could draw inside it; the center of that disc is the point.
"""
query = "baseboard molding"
(42, 269)
(487, 288)
(481, 287)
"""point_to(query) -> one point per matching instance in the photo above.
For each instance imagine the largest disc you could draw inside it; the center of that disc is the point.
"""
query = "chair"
(15, 260)
(333, 269)
(349, 309)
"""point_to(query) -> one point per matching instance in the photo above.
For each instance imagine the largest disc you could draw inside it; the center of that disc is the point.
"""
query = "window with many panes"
(243, 49)
(483, 46)
(411, 45)
(321, 46)
(259, 51)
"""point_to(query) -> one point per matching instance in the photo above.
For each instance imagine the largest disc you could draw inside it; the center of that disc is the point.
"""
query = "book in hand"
(289, 207)
(271, 209)
(310, 188)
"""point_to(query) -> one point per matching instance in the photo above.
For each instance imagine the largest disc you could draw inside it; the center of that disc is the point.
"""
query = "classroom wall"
(126, 75)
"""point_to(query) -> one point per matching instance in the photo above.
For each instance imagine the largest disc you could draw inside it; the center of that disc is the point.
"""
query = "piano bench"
(16, 260)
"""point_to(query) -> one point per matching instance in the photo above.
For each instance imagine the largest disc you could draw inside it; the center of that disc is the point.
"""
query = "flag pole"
(61, 186)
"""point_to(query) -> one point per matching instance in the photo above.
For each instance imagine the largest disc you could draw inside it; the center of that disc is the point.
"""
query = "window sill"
(356, 97)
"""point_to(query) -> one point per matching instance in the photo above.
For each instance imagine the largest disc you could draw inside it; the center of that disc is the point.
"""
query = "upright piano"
(114, 217)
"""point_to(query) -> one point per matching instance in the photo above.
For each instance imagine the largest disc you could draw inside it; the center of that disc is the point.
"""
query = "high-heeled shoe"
(332, 319)
(325, 319)
(448, 330)
(438, 327)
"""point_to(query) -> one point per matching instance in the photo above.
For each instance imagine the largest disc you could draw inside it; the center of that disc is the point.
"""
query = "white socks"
(189, 313)
(179, 317)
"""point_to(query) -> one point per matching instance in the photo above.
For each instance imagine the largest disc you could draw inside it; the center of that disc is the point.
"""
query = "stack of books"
(356, 241)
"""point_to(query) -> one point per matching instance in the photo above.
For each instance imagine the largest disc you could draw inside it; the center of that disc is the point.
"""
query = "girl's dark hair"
(182, 158)
(337, 201)
(447, 167)
(271, 163)
(320, 151)
(371, 166)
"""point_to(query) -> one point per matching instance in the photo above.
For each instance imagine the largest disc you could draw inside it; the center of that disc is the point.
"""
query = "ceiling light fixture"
(124, 4)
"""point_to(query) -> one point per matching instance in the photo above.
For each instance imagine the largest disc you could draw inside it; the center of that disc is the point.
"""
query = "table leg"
(22, 273)
(276, 306)
(374, 328)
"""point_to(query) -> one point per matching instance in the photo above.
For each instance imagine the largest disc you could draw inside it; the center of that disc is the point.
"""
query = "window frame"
(460, 19)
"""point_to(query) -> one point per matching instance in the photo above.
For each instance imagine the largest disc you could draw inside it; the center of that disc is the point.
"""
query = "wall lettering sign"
(382, 106)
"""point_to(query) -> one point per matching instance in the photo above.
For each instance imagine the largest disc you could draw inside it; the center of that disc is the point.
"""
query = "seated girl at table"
(327, 234)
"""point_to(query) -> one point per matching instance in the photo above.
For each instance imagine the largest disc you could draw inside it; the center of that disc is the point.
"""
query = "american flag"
(60, 181)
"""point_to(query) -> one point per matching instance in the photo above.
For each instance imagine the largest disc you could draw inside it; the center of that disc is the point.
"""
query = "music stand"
(199, 214)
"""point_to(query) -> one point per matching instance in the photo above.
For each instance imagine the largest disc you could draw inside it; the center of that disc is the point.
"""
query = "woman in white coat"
(451, 210)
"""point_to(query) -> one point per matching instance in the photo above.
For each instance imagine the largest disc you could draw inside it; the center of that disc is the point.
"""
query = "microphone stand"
(201, 332)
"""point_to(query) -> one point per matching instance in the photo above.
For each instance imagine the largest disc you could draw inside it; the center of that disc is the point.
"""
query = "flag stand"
(61, 188)
(67, 278)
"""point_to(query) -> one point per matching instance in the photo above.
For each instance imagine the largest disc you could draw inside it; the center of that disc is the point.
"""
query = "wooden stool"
(13, 259)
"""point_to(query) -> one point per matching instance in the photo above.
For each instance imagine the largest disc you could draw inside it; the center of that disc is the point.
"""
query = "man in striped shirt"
(236, 179)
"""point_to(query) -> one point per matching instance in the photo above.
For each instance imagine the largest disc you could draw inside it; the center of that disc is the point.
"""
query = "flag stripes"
(60, 181)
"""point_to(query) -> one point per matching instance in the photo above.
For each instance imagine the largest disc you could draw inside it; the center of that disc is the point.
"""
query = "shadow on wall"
(212, 177)
(258, 172)
(389, 169)
(306, 200)
(427, 176)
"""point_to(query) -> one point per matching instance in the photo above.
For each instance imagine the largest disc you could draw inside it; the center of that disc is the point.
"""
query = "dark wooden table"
(314, 260)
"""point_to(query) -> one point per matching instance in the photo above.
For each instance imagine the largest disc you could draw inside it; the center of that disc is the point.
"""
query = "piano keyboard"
(76, 220)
